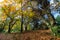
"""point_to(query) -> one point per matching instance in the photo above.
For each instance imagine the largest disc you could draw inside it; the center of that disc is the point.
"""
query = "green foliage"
(58, 19)
(56, 31)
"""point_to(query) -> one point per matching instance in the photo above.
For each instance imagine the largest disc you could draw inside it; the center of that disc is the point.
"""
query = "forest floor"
(29, 35)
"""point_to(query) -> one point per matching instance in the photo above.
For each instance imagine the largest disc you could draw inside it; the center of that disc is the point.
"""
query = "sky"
(1, 0)
(55, 13)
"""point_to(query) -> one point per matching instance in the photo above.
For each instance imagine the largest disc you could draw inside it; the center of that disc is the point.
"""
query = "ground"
(29, 35)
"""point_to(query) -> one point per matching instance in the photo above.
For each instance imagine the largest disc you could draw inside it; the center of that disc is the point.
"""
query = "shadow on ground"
(29, 35)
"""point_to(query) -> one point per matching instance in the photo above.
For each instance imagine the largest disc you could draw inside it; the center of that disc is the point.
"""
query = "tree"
(11, 11)
(41, 11)
(28, 12)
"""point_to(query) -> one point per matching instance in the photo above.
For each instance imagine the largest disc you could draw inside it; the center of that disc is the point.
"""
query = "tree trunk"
(11, 25)
(9, 29)
(22, 24)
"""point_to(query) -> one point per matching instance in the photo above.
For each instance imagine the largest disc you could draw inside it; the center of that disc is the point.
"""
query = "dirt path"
(30, 35)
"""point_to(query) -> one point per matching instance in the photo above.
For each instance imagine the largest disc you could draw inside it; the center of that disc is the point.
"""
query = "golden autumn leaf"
(31, 14)
(12, 8)
(4, 17)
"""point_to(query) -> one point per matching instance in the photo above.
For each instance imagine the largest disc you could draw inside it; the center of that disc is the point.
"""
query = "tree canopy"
(26, 15)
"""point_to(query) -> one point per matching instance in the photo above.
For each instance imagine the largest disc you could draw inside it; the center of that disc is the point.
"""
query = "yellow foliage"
(28, 13)
(18, 1)
(31, 14)
(15, 8)
(12, 9)
(5, 0)
(6, 28)
(4, 17)
(18, 6)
